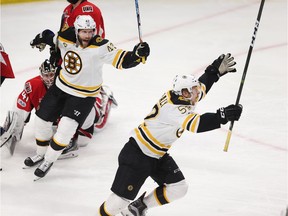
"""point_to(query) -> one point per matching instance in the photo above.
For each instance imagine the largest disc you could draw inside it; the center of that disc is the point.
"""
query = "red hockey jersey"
(84, 8)
(32, 94)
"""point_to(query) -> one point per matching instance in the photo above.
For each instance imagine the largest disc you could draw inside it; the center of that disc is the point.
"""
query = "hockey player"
(78, 83)
(145, 154)
(29, 99)
(74, 9)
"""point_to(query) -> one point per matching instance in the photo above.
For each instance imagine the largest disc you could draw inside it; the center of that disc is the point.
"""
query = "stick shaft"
(139, 26)
(138, 20)
(245, 71)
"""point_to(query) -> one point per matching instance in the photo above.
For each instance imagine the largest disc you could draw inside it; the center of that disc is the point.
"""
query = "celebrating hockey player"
(78, 83)
(145, 154)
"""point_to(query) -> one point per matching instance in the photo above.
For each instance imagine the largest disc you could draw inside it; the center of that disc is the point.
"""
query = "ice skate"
(34, 160)
(138, 207)
(69, 151)
(43, 169)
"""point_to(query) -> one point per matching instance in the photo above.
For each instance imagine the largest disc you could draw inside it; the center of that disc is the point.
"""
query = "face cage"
(48, 78)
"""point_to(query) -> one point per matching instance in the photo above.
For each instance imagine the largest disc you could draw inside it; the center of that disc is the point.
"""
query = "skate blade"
(67, 156)
(28, 167)
(37, 179)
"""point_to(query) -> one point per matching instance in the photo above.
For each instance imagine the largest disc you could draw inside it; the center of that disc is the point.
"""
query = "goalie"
(30, 98)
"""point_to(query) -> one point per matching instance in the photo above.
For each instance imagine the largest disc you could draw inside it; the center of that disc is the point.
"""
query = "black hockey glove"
(142, 50)
(55, 57)
(41, 39)
(229, 113)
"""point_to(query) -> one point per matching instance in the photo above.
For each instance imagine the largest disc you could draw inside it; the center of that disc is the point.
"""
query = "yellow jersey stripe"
(89, 88)
(116, 58)
(194, 124)
(153, 139)
(92, 94)
(64, 40)
(152, 149)
(187, 120)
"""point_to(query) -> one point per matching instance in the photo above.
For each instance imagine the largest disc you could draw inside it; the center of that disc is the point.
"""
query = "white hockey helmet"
(47, 73)
(184, 82)
(84, 22)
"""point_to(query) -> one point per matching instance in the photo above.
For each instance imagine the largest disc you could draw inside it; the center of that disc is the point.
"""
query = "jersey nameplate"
(87, 9)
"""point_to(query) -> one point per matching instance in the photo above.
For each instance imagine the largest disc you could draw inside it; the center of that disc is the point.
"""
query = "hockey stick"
(139, 26)
(245, 71)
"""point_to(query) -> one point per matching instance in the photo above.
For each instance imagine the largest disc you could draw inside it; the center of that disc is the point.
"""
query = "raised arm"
(220, 66)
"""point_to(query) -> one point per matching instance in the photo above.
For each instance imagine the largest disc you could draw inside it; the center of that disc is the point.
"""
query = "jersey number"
(153, 113)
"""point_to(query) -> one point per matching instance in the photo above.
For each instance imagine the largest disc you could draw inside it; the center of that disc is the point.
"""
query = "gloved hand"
(38, 42)
(224, 64)
(142, 50)
(229, 113)
(41, 39)
(55, 57)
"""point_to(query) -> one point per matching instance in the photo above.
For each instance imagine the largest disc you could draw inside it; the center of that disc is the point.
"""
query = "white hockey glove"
(13, 128)
(224, 64)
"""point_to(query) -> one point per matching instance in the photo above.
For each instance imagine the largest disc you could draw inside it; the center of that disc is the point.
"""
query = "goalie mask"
(47, 73)
(87, 23)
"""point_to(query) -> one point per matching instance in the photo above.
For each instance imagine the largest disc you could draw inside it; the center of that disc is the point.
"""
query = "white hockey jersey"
(81, 73)
(166, 123)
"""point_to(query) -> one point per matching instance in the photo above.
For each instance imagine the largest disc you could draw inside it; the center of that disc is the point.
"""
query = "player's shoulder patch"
(28, 87)
(32, 84)
(87, 8)
(177, 99)
(98, 41)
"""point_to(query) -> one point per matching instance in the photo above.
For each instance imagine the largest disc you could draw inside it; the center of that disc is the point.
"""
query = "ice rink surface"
(185, 36)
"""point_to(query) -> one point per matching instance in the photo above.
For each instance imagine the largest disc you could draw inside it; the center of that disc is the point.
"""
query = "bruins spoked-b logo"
(72, 62)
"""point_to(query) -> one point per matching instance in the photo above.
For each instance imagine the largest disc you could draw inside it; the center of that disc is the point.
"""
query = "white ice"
(185, 36)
